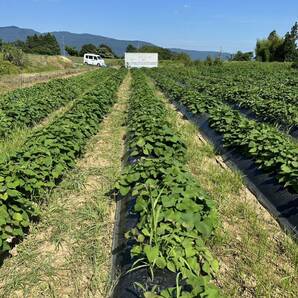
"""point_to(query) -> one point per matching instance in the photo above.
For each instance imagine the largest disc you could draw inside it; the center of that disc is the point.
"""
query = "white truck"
(94, 59)
(138, 60)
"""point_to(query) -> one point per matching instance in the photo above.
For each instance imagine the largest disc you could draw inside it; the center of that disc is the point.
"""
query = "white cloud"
(186, 6)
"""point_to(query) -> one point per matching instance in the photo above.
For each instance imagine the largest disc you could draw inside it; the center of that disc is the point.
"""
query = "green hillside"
(35, 63)
(13, 33)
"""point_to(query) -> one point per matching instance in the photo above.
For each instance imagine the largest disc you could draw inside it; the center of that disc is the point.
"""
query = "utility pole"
(220, 52)
(63, 46)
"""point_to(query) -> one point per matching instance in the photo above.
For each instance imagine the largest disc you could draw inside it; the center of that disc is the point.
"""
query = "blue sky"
(228, 25)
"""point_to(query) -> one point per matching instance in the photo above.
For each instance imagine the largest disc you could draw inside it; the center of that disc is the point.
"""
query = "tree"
(262, 50)
(1, 44)
(163, 54)
(45, 44)
(20, 44)
(270, 49)
(217, 61)
(184, 58)
(208, 60)
(105, 51)
(131, 49)
(295, 63)
(276, 48)
(13, 54)
(72, 51)
(88, 48)
(242, 56)
(104, 46)
(275, 43)
(290, 50)
(52, 44)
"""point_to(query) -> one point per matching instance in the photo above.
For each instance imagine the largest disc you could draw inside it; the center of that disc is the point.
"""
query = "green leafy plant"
(272, 150)
(176, 217)
(30, 174)
(27, 106)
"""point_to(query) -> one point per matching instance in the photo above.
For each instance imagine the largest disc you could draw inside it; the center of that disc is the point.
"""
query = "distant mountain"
(77, 40)
(202, 55)
(12, 33)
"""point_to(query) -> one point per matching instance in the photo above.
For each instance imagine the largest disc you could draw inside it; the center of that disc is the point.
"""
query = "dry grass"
(257, 259)
(68, 254)
(12, 82)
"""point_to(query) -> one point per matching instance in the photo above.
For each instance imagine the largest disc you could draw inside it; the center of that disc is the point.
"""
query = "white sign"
(138, 60)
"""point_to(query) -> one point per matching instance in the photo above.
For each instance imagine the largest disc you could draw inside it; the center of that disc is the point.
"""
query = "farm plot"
(256, 258)
(273, 152)
(177, 210)
(34, 170)
(68, 252)
(26, 107)
(275, 102)
(172, 218)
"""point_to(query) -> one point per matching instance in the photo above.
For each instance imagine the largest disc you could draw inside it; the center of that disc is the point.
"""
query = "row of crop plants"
(36, 168)
(270, 105)
(176, 218)
(25, 107)
(271, 150)
(278, 109)
(262, 78)
(266, 83)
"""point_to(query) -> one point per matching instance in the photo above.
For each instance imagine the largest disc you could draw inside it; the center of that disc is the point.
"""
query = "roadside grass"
(35, 63)
(257, 258)
(68, 253)
(36, 68)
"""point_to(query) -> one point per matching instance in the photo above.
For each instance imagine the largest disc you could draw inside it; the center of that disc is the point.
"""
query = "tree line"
(45, 44)
(163, 53)
(103, 50)
(273, 48)
(106, 52)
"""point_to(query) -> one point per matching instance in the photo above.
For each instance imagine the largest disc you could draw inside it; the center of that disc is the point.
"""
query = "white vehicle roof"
(87, 54)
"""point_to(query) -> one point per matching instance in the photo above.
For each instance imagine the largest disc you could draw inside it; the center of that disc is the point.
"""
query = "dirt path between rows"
(68, 254)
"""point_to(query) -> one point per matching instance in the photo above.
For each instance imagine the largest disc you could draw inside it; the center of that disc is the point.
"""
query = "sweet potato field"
(171, 218)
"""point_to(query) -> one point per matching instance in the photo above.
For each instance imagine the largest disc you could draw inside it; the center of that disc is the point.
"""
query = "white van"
(93, 59)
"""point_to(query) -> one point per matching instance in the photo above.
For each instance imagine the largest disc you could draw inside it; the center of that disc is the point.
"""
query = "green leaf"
(286, 169)
(161, 262)
(171, 266)
(124, 190)
(4, 196)
(141, 238)
(17, 216)
(215, 265)
(151, 253)
(141, 142)
(12, 193)
(206, 268)
(146, 232)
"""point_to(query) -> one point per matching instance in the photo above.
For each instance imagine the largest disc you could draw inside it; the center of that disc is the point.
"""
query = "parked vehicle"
(94, 59)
